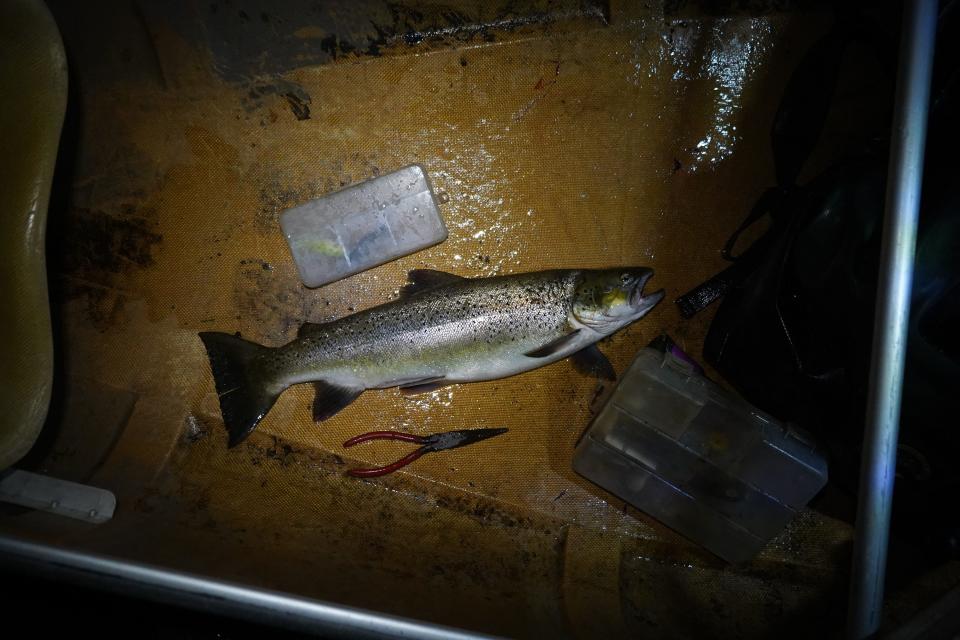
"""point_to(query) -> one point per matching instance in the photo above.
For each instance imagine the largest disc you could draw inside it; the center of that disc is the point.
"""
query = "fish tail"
(245, 395)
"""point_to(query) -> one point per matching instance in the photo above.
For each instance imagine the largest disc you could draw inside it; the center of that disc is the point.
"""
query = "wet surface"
(638, 142)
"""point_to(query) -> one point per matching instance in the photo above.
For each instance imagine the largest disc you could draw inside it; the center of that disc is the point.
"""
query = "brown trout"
(443, 329)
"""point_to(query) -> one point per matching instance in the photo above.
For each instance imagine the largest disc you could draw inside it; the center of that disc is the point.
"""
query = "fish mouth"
(643, 303)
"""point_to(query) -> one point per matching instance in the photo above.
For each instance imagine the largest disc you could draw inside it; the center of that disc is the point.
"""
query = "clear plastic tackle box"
(686, 451)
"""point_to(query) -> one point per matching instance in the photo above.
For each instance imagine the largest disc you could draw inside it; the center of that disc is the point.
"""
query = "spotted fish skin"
(466, 331)
(444, 329)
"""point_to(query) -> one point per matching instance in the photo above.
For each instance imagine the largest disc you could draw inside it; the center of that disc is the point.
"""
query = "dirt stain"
(299, 107)
(258, 96)
(275, 198)
(97, 242)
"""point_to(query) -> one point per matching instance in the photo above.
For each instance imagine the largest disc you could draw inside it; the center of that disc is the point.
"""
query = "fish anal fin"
(331, 399)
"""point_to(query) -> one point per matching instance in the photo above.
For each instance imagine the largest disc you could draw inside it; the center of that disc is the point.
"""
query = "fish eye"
(626, 278)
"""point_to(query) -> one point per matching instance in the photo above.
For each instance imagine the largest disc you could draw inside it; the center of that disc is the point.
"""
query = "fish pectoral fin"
(331, 398)
(424, 386)
(554, 346)
(309, 328)
(420, 280)
(592, 362)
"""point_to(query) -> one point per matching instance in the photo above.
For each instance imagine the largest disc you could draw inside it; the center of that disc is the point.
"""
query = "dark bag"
(793, 333)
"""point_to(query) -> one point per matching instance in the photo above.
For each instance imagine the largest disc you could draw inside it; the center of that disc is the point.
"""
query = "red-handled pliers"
(435, 442)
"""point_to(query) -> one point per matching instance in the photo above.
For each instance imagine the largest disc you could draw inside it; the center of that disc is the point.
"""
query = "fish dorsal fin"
(310, 328)
(420, 280)
(554, 346)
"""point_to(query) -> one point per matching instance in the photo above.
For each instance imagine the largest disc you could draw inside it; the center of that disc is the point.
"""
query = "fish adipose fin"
(244, 398)
(592, 362)
(330, 399)
(420, 280)
(309, 328)
(552, 347)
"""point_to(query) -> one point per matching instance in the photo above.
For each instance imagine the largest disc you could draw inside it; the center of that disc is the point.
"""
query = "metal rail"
(205, 594)
(904, 178)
